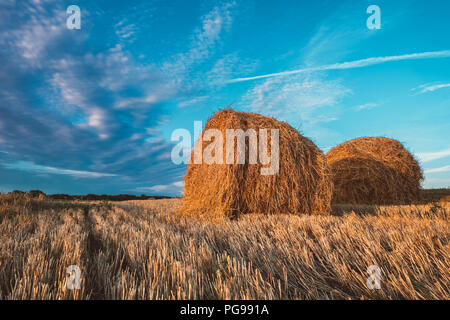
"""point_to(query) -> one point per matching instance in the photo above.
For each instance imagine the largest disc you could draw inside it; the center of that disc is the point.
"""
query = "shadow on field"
(361, 180)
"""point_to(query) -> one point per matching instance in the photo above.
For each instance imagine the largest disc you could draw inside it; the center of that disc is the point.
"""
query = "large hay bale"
(301, 186)
(374, 170)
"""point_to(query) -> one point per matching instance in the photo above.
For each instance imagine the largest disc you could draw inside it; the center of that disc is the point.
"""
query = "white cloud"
(227, 67)
(366, 106)
(125, 30)
(84, 96)
(164, 156)
(148, 100)
(35, 168)
(295, 99)
(430, 156)
(161, 187)
(441, 169)
(179, 184)
(96, 118)
(69, 93)
(203, 41)
(353, 64)
(193, 101)
(430, 88)
(34, 38)
(156, 188)
(429, 183)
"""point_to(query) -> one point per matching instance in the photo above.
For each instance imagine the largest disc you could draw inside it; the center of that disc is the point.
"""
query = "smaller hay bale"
(374, 170)
(301, 186)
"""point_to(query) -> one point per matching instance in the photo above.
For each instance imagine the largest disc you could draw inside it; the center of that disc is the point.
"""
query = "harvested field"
(145, 250)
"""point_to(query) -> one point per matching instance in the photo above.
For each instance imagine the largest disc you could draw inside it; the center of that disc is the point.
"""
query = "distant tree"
(17, 193)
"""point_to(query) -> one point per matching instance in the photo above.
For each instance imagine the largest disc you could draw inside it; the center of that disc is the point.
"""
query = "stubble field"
(145, 250)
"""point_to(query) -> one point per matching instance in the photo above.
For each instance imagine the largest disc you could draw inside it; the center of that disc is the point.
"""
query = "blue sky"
(92, 110)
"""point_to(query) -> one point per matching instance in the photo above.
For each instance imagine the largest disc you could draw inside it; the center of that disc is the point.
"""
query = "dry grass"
(302, 185)
(142, 250)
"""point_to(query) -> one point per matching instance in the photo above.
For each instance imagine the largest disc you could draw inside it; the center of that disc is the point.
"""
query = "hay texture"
(301, 186)
(374, 170)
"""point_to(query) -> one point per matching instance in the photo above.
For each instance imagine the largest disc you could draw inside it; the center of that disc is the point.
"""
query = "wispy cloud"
(430, 156)
(161, 187)
(226, 68)
(156, 188)
(35, 168)
(203, 41)
(440, 169)
(193, 101)
(295, 97)
(125, 30)
(429, 88)
(92, 106)
(366, 106)
(352, 64)
(429, 183)
(179, 184)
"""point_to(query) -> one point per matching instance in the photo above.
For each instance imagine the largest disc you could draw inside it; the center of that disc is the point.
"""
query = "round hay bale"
(301, 186)
(374, 170)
